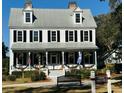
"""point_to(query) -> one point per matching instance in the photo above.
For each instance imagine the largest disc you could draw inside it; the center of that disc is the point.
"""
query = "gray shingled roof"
(51, 18)
(54, 46)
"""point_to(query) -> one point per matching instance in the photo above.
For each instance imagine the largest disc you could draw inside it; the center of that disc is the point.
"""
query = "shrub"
(5, 66)
(18, 74)
(42, 76)
(114, 67)
(110, 67)
(101, 72)
(27, 74)
(118, 68)
(12, 77)
(84, 73)
(36, 76)
(4, 77)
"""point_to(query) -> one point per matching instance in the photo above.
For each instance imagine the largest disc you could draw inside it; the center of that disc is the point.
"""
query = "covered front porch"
(54, 59)
(53, 55)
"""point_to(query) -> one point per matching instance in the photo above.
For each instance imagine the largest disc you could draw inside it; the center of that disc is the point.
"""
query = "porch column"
(29, 60)
(39, 59)
(95, 59)
(46, 58)
(63, 58)
(16, 59)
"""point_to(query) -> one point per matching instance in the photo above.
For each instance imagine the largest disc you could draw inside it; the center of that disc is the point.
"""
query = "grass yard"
(22, 80)
(47, 90)
(99, 89)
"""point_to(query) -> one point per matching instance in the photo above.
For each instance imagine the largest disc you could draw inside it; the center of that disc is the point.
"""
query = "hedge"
(27, 74)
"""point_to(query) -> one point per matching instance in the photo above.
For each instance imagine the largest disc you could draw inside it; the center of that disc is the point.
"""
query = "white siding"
(94, 35)
(10, 51)
(28, 36)
(44, 36)
(62, 35)
(78, 36)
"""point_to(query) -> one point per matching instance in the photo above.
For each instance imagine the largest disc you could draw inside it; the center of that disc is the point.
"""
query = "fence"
(93, 82)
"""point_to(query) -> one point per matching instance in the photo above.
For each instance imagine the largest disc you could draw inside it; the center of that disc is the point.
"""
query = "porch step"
(56, 73)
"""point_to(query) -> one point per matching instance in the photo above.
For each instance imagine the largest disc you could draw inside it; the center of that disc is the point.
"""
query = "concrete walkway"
(53, 82)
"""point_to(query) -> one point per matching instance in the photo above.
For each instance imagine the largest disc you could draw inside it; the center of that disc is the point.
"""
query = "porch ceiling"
(54, 46)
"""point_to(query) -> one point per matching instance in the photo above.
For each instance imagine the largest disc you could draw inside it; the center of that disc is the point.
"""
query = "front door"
(71, 58)
(53, 59)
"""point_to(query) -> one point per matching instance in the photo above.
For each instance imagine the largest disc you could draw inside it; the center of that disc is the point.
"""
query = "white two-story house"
(52, 38)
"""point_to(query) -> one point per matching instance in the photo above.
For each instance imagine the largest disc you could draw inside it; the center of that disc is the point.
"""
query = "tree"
(4, 50)
(109, 31)
(113, 3)
(5, 61)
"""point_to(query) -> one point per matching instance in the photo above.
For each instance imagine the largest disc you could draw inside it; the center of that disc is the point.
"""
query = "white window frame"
(31, 20)
(33, 35)
(69, 36)
(84, 36)
(51, 35)
(17, 36)
(75, 18)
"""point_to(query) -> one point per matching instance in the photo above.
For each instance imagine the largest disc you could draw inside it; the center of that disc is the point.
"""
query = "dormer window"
(28, 12)
(77, 19)
(27, 17)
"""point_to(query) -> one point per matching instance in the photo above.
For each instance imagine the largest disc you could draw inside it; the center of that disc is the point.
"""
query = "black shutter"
(76, 57)
(31, 61)
(14, 36)
(15, 54)
(48, 36)
(41, 59)
(58, 36)
(66, 58)
(91, 58)
(24, 36)
(81, 35)
(31, 35)
(75, 35)
(40, 36)
(24, 60)
(90, 35)
(82, 62)
(66, 35)
(48, 58)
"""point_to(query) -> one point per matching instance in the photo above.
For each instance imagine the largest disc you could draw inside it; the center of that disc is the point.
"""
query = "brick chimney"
(28, 4)
(72, 5)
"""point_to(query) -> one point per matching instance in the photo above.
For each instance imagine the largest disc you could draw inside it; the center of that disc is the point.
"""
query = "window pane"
(53, 35)
(87, 60)
(27, 19)
(35, 35)
(85, 35)
(19, 35)
(77, 18)
(28, 15)
(71, 36)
